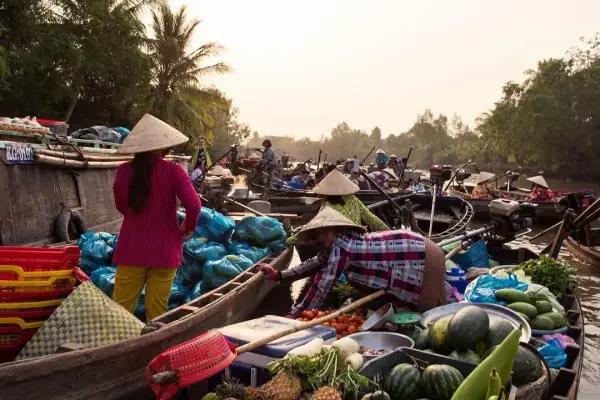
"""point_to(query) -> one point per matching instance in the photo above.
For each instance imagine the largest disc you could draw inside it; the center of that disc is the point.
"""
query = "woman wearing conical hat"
(382, 174)
(540, 190)
(410, 267)
(146, 192)
(338, 192)
(484, 190)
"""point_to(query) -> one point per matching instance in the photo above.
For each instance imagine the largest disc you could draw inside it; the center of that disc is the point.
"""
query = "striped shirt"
(390, 260)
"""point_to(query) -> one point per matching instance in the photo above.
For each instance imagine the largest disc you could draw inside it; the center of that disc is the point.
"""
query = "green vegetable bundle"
(558, 277)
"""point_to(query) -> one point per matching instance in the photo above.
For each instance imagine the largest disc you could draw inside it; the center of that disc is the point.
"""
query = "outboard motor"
(509, 217)
(215, 186)
(438, 174)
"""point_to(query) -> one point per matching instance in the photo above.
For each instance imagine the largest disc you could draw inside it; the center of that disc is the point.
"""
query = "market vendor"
(381, 176)
(299, 180)
(410, 267)
(146, 192)
(337, 191)
(484, 190)
(540, 190)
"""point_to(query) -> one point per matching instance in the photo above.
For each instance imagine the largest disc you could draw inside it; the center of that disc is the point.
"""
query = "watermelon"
(468, 355)
(422, 339)
(437, 335)
(403, 382)
(498, 331)
(526, 368)
(439, 382)
(468, 327)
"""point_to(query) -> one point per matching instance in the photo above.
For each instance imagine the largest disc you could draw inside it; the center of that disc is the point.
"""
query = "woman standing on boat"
(146, 192)
(338, 192)
(410, 267)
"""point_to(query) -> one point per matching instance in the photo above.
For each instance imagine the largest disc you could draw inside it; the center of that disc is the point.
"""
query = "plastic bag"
(475, 256)
(553, 353)
(217, 227)
(198, 290)
(482, 289)
(263, 232)
(96, 250)
(254, 254)
(104, 279)
(204, 251)
(563, 340)
(219, 272)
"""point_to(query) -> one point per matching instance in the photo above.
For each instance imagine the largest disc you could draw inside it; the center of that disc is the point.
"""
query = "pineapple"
(327, 393)
(231, 389)
(283, 387)
(253, 393)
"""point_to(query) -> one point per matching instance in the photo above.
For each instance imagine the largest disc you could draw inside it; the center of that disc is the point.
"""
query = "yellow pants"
(130, 281)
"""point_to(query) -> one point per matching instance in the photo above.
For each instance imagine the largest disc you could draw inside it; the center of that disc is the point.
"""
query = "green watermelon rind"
(467, 327)
(439, 382)
(403, 382)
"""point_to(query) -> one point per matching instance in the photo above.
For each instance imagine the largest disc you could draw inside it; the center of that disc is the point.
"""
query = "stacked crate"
(33, 282)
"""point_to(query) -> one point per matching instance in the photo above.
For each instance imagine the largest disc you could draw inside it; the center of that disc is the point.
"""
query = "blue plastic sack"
(195, 253)
(252, 253)
(482, 289)
(263, 232)
(217, 273)
(553, 353)
(104, 279)
(96, 250)
(216, 226)
(198, 290)
(176, 298)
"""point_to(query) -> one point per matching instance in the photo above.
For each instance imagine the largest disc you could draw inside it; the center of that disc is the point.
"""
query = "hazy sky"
(301, 67)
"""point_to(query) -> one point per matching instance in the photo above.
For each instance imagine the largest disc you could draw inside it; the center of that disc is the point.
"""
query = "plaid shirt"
(540, 193)
(391, 260)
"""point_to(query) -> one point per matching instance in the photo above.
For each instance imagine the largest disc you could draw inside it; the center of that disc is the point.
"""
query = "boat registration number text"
(19, 153)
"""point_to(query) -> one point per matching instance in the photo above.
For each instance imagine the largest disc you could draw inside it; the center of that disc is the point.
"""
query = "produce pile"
(23, 125)
(534, 307)
(558, 277)
(321, 372)
(469, 335)
(344, 325)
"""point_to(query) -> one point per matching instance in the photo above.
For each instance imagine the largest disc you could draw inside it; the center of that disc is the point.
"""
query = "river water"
(281, 299)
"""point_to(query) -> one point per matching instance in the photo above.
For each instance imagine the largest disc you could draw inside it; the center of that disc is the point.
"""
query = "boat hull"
(590, 255)
(545, 211)
(117, 371)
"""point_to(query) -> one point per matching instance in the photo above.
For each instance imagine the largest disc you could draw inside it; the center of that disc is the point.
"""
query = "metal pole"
(319, 159)
(464, 236)
(454, 175)
(367, 156)
(380, 190)
(405, 164)
(434, 192)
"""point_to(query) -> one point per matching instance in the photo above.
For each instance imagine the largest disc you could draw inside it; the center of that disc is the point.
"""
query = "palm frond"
(218, 68)
(211, 99)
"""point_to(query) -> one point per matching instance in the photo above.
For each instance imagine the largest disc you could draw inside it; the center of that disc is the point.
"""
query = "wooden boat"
(546, 211)
(451, 217)
(585, 246)
(566, 384)
(49, 192)
(116, 371)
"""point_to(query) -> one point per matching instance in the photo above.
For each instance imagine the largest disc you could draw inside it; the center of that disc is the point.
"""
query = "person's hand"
(185, 234)
(270, 273)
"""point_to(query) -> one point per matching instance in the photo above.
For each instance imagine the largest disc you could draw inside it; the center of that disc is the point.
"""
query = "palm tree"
(175, 95)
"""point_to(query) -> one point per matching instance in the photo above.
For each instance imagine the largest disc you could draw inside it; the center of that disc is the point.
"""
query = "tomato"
(304, 313)
(341, 319)
(352, 329)
(343, 327)
(310, 315)
(321, 314)
(339, 328)
(334, 325)
(357, 320)
(338, 337)
(325, 324)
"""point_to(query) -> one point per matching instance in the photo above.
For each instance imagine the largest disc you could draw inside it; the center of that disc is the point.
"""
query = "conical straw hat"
(391, 173)
(380, 151)
(150, 134)
(485, 177)
(327, 218)
(393, 156)
(539, 180)
(217, 171)
(336, 184)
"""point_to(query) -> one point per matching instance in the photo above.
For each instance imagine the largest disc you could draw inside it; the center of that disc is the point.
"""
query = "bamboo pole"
(77, 163)
(77, 156)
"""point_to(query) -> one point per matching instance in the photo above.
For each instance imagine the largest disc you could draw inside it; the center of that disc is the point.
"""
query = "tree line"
(95, 62)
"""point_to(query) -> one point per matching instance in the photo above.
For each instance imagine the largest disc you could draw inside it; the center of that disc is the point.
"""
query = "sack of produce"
(96, 250)
(263, 232)
(482, 289)
(195, 253)
(104, 279)
(254, 254)
(217, 227)
(219, 272)
(198, 290)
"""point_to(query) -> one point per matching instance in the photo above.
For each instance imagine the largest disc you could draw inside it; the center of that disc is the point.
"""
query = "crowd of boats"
(65, 189)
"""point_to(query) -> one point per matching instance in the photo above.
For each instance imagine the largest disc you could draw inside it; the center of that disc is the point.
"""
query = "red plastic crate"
(28, 315)
(12, 340)
(10, 294)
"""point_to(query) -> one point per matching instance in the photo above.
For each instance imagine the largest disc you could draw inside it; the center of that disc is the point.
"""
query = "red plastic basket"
(192, 361)
(28, 315)
(9, 294)
(39, 258)
(12, 340)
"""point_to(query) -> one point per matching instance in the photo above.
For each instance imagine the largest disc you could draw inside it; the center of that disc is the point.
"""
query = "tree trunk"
(73, 103)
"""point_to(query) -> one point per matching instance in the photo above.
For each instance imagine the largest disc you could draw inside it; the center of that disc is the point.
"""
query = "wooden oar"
(167, 377)
(380, 190)
(405, 164)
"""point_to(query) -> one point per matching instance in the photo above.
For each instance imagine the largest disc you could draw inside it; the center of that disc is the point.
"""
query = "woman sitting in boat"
(410, 267)
(484, 190)
(146, 192)
(360, 181)
(393, 163)
(380, 176)
(540, 190)
(338, 192)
